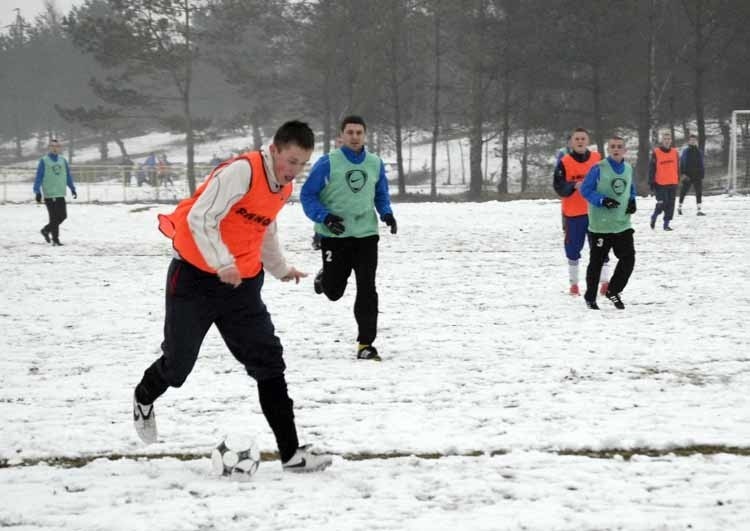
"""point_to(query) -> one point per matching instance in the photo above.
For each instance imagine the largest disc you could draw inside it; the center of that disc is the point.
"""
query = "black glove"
(334, 224)
(389, 220)
(38, 197)
(608, 202)
(631, 206)
(75, 195)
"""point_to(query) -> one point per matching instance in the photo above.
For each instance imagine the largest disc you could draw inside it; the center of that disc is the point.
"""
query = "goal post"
(739, 152)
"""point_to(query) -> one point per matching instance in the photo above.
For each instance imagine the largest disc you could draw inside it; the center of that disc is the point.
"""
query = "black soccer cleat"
(592, 305)
(367, 352)
(318, 282)
(616, 300)
(45, 235)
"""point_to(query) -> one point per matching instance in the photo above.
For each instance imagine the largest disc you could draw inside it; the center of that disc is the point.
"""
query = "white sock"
(699, 207)
(573, 271)
(604, 276)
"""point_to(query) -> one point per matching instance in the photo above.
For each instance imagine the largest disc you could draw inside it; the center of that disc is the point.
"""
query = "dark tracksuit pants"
(194, 301)
(57, 212)
(340, 257)
(665, 198)
(623, 247)
(697, 184)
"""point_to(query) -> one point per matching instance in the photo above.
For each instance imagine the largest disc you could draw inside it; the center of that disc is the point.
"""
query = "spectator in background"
(663, 177)
(692, 170)
(149, 167)
(127, 169)
(52, 176)
(163, 171)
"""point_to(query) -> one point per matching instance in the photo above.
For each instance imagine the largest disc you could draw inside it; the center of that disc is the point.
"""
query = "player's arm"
(382, 194)
(39, 177)
(652, 170)
(309, 196)
(559, 182)
(588, 188)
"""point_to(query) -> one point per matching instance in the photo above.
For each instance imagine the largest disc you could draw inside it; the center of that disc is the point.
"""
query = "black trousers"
(697, 184)
(195, 300)
(599, 246)
(665, 198)
(57, 212)
(341, 256)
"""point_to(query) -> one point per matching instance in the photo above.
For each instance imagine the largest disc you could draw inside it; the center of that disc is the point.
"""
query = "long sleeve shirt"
(226, 188)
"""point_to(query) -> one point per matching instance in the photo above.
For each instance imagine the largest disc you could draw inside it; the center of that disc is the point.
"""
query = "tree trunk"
(435, 106)
(645, 116)
(189, 137)
(525, 156)
(596, 90)
(121, 145)
(395, 49)
(103, 150)
(448, 158)
(502, 185)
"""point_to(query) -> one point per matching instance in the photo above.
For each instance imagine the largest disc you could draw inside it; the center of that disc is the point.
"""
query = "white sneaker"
(304, 460)
(144, 419)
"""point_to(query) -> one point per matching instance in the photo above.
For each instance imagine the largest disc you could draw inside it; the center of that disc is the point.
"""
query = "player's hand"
(293, 274)
(334, 223)
(75, 195)
(230, 275)
(631, 206)
(608, 202)
(389, 220)
(38, 197)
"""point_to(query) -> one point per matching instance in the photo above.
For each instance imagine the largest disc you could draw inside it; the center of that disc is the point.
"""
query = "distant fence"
(107, 184)
(134, 184)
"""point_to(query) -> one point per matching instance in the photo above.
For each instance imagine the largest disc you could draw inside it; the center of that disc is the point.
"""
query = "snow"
(496, 389)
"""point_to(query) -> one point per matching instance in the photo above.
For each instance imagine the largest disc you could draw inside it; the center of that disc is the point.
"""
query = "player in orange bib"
(224, 237)
(570, 171)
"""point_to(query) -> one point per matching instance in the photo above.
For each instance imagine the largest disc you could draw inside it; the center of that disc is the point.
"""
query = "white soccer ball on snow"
(237, 456)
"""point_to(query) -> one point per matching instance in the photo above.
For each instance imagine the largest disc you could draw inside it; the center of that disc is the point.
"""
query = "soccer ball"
(236, 456)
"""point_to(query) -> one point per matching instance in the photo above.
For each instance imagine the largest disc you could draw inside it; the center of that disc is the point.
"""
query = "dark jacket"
(691, 162)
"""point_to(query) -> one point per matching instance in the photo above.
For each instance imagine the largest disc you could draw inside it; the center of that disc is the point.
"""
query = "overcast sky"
(30, 8)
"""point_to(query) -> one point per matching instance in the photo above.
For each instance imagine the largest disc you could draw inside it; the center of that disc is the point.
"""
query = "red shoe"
(574, 291)
(604, 288)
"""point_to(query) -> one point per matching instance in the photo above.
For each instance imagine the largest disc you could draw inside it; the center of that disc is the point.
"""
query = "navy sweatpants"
(195, 300)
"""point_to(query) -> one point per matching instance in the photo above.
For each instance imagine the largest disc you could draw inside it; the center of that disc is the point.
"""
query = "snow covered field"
(498, 405)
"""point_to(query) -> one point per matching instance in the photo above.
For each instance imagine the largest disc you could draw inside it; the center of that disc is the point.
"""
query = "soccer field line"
(609, 453)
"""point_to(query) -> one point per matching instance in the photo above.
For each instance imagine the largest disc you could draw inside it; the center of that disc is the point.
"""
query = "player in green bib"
(344, 194)
(610, 192)
(52, 177)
